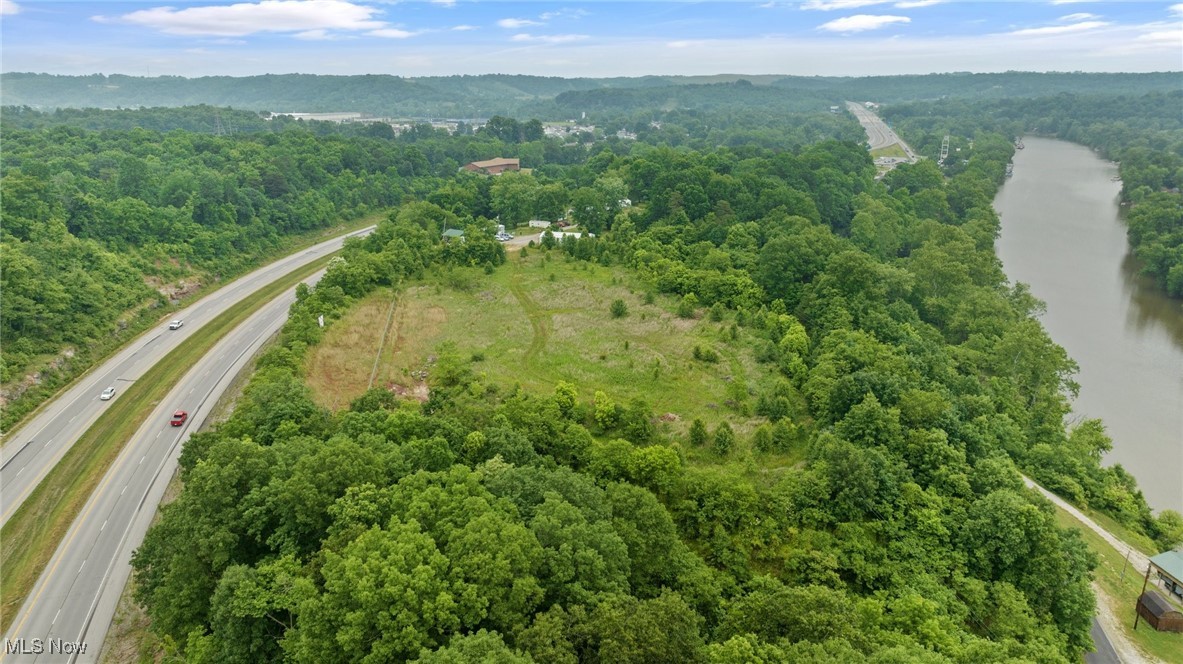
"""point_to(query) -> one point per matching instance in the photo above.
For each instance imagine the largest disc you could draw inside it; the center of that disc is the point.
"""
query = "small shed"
(1160, 613)
(453, 234)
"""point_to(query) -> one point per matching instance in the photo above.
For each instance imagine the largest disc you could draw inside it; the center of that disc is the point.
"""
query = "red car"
(179, 418)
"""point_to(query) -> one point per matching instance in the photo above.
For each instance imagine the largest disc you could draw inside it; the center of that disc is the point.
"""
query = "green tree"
(724, 439)
(619, 309)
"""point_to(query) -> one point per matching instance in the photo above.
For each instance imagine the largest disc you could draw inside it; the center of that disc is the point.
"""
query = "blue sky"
(441, 37)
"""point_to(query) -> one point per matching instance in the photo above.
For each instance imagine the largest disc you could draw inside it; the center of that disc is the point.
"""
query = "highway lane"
(35, 448)
(879, 135)
(74, 601)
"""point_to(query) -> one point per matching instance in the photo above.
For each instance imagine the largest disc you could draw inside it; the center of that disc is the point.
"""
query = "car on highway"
(107, 394)
(179, 418)
(176, 324)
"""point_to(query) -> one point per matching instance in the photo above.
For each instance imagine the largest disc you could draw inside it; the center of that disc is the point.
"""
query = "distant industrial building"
(494, 166)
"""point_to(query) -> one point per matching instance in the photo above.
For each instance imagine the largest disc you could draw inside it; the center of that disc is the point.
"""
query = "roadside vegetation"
(1121, 584)
(31, 536)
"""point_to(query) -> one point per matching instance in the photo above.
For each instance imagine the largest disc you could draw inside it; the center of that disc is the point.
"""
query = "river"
(1062, 235)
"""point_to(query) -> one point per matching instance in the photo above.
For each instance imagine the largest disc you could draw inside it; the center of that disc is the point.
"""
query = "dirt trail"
(540, 322)
(1106, 606)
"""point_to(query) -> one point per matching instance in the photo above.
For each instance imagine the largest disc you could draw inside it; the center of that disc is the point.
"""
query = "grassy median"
(29, 539)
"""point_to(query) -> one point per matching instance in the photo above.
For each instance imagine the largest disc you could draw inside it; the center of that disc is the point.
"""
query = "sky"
(592, 38)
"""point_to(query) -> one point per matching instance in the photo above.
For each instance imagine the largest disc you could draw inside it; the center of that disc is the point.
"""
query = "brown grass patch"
(338, 369)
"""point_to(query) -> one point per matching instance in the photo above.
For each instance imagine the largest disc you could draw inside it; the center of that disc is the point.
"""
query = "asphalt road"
(35, 448)
(71, 607)
(1103, 652)
(879, 135)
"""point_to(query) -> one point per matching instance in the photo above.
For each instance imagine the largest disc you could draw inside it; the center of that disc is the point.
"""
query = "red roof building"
(494, 166)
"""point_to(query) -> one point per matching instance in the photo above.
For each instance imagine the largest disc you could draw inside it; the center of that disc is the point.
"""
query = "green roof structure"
(1171, 563)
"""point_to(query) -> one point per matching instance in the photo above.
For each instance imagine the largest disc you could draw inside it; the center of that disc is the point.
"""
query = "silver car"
(107, 394)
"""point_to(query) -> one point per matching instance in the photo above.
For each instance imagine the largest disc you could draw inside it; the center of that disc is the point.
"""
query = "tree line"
(1144, 133)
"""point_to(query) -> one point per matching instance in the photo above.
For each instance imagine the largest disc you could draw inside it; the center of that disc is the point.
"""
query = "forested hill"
(493, 94)
(987, 86)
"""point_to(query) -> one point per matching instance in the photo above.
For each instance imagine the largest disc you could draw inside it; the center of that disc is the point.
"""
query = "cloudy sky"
(597, 38)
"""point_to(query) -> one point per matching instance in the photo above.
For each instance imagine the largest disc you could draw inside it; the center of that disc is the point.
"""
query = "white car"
(107, 394)
(176, 324)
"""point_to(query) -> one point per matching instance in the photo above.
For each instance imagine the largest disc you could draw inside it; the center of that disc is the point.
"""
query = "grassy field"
(1122, 584)
(29, 538)
(536, 321)
(893, 150)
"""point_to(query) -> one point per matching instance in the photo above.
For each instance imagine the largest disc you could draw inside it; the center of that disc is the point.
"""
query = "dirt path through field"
(540, 322)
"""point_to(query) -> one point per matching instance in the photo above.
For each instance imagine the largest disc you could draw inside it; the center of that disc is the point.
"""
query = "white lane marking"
(142, 459)
(102, 526)
(55, 617)
(73, 418)
(158, 433)
(18, 473)
(83, 565)
(124, 490)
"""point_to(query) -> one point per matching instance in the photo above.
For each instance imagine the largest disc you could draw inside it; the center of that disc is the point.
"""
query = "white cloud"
(1177, 10)
(1162, 37)
(1071, 2)
(461, 28)
(8, 8)
(862, 22)
(391, 33)
(830, 5)
(314, 35)
(916, 4)
(1059, 29)
(444, 3)
(1081, 16)
(548, 39)
(237, 20)
(516, 22)
(563, 13)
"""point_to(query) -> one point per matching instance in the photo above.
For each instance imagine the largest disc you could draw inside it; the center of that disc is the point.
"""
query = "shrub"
(698, 433)
(688, 306)
(619, 309)
(724, 439)
(705, 354)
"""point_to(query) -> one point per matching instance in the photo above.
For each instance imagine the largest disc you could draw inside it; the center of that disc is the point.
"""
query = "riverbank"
(1062, 234)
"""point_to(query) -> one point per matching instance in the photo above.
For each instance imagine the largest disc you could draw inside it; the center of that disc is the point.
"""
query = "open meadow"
(538, 320)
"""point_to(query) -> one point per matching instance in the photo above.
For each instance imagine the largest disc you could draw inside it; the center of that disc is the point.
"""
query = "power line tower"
(944, 150)
(219, 130)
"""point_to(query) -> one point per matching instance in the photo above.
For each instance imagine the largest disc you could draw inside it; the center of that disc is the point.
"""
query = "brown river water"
(1063, 235)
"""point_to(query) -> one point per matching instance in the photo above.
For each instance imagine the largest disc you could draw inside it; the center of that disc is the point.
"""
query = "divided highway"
(879, 135)
(69, 610)
(33, 450)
